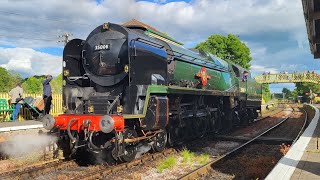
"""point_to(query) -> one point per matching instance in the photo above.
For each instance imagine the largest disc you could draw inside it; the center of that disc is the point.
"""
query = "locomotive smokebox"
(105, 54)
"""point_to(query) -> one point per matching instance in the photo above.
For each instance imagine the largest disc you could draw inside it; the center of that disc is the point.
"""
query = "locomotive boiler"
(125, 86)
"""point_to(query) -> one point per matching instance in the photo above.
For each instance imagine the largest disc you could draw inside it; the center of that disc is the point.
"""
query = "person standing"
(16, 95)
(47, 94)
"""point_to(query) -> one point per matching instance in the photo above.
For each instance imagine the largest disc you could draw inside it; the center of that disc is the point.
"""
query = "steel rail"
(30, 172)
(303, 127)
(104, 170)
(205, 168)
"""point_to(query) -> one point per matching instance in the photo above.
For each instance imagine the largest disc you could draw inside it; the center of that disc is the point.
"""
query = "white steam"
(22, 145)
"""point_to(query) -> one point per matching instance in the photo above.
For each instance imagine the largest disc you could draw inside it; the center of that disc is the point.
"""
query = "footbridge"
(288, 78)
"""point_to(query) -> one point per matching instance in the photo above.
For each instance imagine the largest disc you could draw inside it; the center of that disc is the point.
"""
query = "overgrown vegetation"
(185, 157)
(203, 159)
(191, 157)
(9, 79)
(266, 95)
(168, 163)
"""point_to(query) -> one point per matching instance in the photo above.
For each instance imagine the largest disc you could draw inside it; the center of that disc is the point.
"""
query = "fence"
(288, 78)
(25, 114)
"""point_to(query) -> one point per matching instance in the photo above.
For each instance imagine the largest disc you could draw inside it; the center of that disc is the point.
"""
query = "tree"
(56, 84)
(5, 80)
(287, 93)
(33, 85)
(266, 95)
(303, 88)
(15, 78)
(227, 48)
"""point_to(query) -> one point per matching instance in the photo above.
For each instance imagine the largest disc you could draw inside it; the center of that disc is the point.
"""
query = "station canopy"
(311, 11)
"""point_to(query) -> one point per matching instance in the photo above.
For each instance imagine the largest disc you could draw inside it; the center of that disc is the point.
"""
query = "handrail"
(288, 78)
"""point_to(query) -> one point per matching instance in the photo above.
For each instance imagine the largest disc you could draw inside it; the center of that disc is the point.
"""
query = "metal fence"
(25, 114)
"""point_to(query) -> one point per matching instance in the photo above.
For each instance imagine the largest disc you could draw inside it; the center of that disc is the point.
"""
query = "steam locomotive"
(125, 86)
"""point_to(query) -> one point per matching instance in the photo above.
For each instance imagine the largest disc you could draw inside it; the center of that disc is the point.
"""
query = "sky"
(274, 30)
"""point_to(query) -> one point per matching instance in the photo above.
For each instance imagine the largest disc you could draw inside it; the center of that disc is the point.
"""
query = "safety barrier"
(25, 114)
(288, 78)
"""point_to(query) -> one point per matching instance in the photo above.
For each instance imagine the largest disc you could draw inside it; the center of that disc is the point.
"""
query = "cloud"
(261, 69)
(187, 22)
(36, 25)
(28, 62)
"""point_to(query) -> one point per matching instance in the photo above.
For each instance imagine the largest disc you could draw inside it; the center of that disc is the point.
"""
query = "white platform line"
(16, 128)
(287, 164)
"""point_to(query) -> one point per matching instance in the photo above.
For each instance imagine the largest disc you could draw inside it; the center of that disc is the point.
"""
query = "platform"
(14, 126)
(303, 159)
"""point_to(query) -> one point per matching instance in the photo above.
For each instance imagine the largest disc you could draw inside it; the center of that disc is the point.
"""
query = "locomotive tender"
(125, 86)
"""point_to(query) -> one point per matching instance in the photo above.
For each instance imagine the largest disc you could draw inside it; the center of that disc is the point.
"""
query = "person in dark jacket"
(47, 94)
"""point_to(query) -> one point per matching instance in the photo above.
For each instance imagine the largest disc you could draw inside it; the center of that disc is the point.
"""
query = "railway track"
(58, 167)
(207, 168)
(98, 172)
(38, 170)
(104, 172)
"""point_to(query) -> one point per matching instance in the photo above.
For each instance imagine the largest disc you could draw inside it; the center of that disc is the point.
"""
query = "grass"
(202, 159)
(168, 163)
(190, 157)
(187, 156)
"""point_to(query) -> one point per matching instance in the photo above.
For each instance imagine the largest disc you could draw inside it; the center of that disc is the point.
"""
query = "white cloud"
(29, 62)
(187, 22)
(38, 22)
(261, 69)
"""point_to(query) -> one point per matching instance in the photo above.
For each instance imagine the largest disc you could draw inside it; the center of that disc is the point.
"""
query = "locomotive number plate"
(101, 47)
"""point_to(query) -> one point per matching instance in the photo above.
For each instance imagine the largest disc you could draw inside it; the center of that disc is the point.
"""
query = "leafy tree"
(287, 93)
(5, 80)
(15, 78)
(227, 48)
(294, 94)
(33, 85)
(56, 84)
(266, 95)
(303, 88)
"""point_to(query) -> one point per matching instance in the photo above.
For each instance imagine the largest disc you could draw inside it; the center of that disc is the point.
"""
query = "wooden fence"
(25, 114)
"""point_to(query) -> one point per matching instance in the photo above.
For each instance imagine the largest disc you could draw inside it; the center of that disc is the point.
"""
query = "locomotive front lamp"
(106, 124)
(64, 109)
(66, 73)
(105, 26)
(119, 109)
(126, 68)
(90, 109)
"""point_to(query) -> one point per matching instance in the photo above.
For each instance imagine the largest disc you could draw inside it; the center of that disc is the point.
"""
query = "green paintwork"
(219, 80)
(223, 81)
(252, 89)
